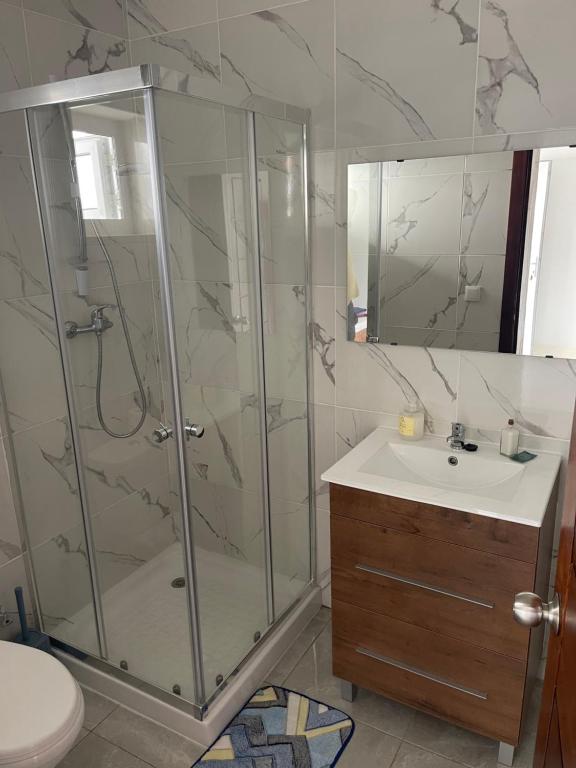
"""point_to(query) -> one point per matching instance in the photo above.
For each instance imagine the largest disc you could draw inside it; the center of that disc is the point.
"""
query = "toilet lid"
(40, 701)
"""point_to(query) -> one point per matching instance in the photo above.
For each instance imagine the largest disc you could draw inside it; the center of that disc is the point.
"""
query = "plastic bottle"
(509, 439)
(411, 421)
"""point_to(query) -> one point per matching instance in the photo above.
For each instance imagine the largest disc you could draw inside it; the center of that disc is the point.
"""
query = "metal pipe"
(306, 159)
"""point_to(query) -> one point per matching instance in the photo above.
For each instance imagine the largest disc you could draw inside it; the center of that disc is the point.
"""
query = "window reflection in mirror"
(465, 252)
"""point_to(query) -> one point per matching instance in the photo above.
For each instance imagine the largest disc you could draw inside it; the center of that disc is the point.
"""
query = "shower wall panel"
(36, 419)
(280, 156)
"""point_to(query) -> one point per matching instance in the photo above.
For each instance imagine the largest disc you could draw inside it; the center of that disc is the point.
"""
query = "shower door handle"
(193, 430)
(162, 433)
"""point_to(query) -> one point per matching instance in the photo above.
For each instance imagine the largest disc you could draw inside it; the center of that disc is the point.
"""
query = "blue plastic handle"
(22, 613)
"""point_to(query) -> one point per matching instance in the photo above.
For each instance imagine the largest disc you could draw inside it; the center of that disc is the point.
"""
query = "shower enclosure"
(166, 488)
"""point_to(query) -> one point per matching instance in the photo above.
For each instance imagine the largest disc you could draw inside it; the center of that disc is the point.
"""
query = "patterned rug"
(279, 728)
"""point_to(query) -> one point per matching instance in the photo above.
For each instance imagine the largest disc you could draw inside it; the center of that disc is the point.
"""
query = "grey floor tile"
(83, 733)
(97, 708)
(280, 672)
(324, 614)
(148, 740)
(409, 756)
(369, 748)
(452, 742)
(94, 752)
(313, 677)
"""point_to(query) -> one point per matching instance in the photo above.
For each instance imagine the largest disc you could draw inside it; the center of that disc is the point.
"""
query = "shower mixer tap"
(99, 324)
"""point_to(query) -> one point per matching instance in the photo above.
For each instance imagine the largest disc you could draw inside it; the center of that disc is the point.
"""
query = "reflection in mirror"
(470, 252)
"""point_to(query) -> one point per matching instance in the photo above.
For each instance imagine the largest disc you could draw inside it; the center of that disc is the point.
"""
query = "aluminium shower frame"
(146, 79)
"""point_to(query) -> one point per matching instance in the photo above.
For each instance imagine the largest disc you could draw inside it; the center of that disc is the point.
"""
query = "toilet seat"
(41, 707)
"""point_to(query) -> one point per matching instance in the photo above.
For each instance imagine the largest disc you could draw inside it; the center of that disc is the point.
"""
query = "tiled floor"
(388, 735)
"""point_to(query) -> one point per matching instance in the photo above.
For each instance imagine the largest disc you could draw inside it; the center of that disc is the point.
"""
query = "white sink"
(439, 467)
(483, 482)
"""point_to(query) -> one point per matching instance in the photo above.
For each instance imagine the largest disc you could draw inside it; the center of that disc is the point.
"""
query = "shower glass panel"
(101, 242)
(281, 199)
(38, 429)
(206, 155)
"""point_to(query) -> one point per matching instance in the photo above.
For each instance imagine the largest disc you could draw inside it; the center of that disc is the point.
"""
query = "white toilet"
(41, 708)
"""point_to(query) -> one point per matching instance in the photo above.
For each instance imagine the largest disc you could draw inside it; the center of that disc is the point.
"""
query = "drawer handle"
(422, 673)
(422, 585)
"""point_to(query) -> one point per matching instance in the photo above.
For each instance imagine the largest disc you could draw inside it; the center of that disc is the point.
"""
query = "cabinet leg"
(505, 753)
(348, 690)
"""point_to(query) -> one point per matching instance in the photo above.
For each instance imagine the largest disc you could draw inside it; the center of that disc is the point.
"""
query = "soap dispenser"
(411, 421)
(509, 439)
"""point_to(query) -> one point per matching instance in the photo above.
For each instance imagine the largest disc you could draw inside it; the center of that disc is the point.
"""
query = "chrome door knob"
(193, 430)
(530, 610)
(162, 433)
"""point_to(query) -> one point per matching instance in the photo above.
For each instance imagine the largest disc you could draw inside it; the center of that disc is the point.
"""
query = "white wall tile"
(10, 545)
(12, 575)
(193, 51)
(104, 15)
(23, 270)
(383, 378)
(65, 50)
(394, 63)
(537, 393)
(424, 214)
(527, 58)
(28, 324)
(14, 72)
(13, 134)
(487, 272)
(275, 52)
(485, 212)
(322, 215)
(322, 336)
(420, 291)
(150, 17)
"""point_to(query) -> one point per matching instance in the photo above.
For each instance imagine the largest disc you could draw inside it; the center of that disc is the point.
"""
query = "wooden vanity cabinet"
(422, 606)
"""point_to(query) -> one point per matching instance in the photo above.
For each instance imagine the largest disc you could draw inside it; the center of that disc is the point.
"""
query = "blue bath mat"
(279, 728)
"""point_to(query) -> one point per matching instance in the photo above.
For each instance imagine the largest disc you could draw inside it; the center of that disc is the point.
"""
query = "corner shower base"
(146, 619)
(177, 715)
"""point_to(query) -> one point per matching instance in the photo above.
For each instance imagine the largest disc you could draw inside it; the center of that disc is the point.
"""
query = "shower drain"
(179, 582)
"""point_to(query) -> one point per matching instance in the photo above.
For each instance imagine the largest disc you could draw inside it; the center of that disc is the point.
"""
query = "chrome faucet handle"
(456, 439)
(458, 430)
(98, 312)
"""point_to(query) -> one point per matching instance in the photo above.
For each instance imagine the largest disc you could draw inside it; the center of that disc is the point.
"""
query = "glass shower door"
(281, 198)
(205, 152)
(92, 165)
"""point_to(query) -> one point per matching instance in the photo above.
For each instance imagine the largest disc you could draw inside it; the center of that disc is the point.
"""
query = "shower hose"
(68, 136)
(122, 313)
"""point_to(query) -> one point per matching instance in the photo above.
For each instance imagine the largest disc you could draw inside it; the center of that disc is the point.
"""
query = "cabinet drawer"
(487, 624)
(463, 683)
(364, 578)
(499, 537)
(460, 570)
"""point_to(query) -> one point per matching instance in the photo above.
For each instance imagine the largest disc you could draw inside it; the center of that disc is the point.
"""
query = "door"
(556, 740)
(204, 150)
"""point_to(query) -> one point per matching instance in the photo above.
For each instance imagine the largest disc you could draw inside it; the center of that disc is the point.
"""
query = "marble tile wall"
(383, 81)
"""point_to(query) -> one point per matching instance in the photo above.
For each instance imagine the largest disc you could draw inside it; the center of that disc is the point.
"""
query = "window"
(97, 176)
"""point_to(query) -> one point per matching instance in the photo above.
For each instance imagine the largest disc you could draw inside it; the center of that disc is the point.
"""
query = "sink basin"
(483, 482)
(439, 467)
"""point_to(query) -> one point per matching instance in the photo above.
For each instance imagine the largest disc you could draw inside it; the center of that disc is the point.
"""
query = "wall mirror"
(474, 252)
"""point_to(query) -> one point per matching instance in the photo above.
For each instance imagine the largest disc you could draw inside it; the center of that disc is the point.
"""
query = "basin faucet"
(456, 439)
